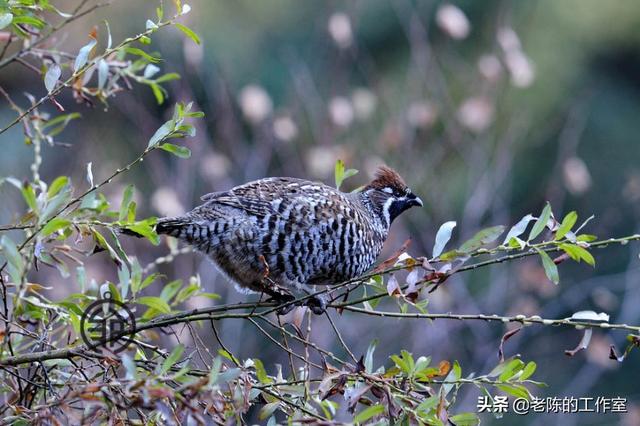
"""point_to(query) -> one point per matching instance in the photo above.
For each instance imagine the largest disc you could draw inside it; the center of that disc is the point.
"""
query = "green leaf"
(368, 413)
(168, 77)
(155, 303)
(518, 391)
(511, 369)
(5, 19)
(170, 290)
(102, 243)
(143, 54)
(341, 174)
(442, 237)
(540, 224)
(56, 203)
(172, 359)
(165, 130)
(482, 237)
(29, 20)
(261, 373)
(146, 230)
(179, 151)
(158, 92)
(586, 238)
(29, 195)
(186, 293)
(127, 196)
(188, 32)
(528, 371)
(465, 419)
(83, 56)
(267, 410)
(10, 251)
(578, 253)
(550, 268)
(53, 225)
(51, 77)
(215, 371)
(57, 184)
(566, 225)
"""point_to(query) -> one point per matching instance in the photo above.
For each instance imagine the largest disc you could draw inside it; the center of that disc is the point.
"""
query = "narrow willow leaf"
(83, 55)
(150, 25)
(146, 231)
(172, 359)
(51, 77)
(158, 93)
(170, 290)
(188, 32)
(578, 253)
(11, 252)
(566, 225)
(482, 237)
(155, 303)
(57, 184)
(527, 371)
(143, 54)
(90, 173)
(5, 19)
(542, 221)
(511, 369)
(165, 130)
(339, 173)
(109, 38)
(368, 358)
(442, 237)
(519, 228)
(150, 70)
(518, 391)
(29, 195)
(127, 196)
(168, 77)
(368, 413)
(550, 268)
(103, 73)
(179, 151)
(465, 419)
(53, 225)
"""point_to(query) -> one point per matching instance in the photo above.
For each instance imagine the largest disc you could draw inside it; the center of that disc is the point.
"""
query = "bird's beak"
(415, 201)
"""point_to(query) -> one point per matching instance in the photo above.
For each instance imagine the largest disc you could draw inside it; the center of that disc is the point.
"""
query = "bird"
(280, 236)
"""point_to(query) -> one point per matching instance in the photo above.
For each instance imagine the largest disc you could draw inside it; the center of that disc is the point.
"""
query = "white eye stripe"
(387, 190)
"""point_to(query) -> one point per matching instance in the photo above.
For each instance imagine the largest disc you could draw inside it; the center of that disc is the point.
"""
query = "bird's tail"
(173, 226)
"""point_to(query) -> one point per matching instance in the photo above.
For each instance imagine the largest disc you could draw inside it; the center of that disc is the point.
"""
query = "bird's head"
(389, 195)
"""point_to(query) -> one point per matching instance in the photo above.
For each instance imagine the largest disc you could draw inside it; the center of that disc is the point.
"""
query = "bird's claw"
(317, 304)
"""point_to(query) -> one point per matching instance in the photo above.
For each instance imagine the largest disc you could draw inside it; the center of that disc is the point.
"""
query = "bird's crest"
(386, 177)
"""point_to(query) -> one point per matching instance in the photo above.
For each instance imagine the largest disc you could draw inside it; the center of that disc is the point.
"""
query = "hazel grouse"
(279, 234)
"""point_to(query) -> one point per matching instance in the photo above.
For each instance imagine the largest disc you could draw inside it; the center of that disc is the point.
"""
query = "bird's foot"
(283, 299)
(317, 304)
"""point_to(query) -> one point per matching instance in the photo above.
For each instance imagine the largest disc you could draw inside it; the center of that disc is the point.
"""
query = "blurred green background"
(488, 109)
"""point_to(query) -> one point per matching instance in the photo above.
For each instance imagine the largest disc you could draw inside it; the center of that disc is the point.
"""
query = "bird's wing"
(260, 198)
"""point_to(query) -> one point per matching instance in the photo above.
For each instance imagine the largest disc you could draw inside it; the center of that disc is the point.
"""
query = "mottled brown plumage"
(276, 235)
